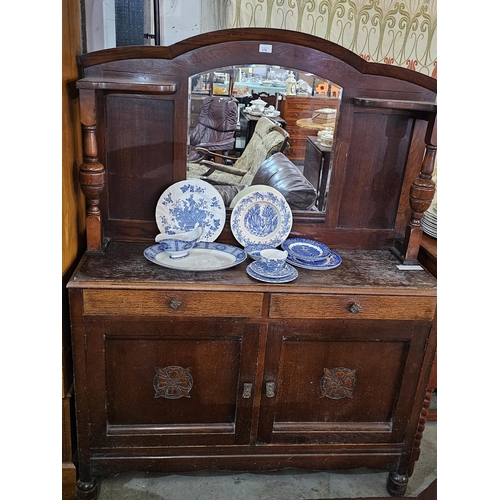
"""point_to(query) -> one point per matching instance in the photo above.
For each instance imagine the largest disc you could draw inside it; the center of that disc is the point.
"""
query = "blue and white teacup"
(273, 260)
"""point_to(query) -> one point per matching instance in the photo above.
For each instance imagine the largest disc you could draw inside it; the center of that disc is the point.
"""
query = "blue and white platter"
(304, 249)
(254, 274)
(188, 202)
(254, 250)
(330, 262)
(205, 256)
(261, 217)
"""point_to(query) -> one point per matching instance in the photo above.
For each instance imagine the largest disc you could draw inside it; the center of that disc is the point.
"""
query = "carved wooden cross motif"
(173, 382)
(338, 383)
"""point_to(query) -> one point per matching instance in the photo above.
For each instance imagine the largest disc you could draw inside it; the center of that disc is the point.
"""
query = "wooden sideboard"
(182, 371)
(179, 370)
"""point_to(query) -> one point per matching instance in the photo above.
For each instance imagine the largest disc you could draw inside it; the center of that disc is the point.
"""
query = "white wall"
(100, 22)
(179, 19)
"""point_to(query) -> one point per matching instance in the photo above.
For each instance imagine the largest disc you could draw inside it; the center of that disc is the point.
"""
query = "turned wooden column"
(421, 194)
(91, 173)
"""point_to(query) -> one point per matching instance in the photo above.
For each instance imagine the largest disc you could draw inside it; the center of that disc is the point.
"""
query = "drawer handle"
(270, 389)
(175, 304)
(355, 308)
(247, 391)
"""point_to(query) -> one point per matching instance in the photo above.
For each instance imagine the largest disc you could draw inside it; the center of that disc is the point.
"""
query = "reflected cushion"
(280, 173)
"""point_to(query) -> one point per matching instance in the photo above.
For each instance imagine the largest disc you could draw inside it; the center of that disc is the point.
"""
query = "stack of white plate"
(429, 221)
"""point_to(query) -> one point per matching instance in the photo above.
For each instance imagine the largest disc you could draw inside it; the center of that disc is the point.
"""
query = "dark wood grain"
(182, 370)
(261, 34)
(379, 146)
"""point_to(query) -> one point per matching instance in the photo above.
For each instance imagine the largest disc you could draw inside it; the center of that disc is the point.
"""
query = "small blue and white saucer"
(288, 273)
(304, 249)
(254, 249)
(331, 262)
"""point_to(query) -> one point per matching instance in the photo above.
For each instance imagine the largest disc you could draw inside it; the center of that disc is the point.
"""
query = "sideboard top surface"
(123, 265)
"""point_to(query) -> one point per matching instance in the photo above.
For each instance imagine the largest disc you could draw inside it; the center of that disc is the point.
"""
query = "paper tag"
(402, 267)
(265, 48)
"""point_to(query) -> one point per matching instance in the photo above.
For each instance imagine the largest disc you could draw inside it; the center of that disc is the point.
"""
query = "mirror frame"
(162, 73)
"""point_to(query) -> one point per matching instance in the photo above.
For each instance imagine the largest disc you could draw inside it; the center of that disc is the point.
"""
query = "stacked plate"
(310, 254)
(256, 270)
(429, 221)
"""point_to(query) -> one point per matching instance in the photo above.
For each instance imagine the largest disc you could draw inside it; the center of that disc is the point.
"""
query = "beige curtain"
(401, 33)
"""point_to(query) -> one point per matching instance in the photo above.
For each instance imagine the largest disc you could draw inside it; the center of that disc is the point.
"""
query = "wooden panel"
(170, 382)
(67, 431)
(330, 386)
(73, 204)
(178, 303)
(131, 367)
(375, 170)
(68, 481)
(139, 153)
(299, 390)
(339, 306)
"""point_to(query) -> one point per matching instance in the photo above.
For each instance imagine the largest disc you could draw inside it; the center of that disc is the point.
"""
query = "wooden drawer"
(352, 307)
(172, 303)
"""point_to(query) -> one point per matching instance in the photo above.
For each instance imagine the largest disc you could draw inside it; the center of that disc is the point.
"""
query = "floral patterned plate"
(186, 203)
(261, 217)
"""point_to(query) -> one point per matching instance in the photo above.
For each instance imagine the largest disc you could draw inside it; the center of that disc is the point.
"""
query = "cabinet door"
(170, 382)
(340, 381)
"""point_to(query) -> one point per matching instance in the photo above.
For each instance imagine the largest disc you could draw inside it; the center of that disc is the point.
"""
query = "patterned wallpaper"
(402, 33)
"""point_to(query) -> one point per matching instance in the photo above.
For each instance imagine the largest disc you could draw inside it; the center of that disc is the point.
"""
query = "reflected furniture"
(267, 139)
(181, 370)
(216, 127)
(295, 108)
(280, 173)
(248, 123)
(316, 167)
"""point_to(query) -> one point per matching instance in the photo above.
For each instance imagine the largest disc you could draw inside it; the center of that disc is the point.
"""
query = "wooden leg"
(397, 484)
(87, 490)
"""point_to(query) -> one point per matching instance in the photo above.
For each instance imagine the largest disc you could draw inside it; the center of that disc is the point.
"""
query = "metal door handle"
(247, 391)
(270, 389)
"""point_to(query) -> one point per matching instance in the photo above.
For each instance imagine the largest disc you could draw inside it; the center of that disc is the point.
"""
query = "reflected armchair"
(268, 138)
(216, 128)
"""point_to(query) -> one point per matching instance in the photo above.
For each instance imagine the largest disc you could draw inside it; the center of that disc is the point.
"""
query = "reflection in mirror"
(261, 124)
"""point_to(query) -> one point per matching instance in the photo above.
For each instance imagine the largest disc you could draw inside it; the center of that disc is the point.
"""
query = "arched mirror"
(241, 116)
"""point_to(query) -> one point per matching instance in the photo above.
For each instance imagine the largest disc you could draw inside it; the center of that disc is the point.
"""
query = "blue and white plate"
(186, 203)
(304, 249)
(254, 250)
(330, 262)
(259, 277)
(205, 256)
(286, 271)
(262, 217)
